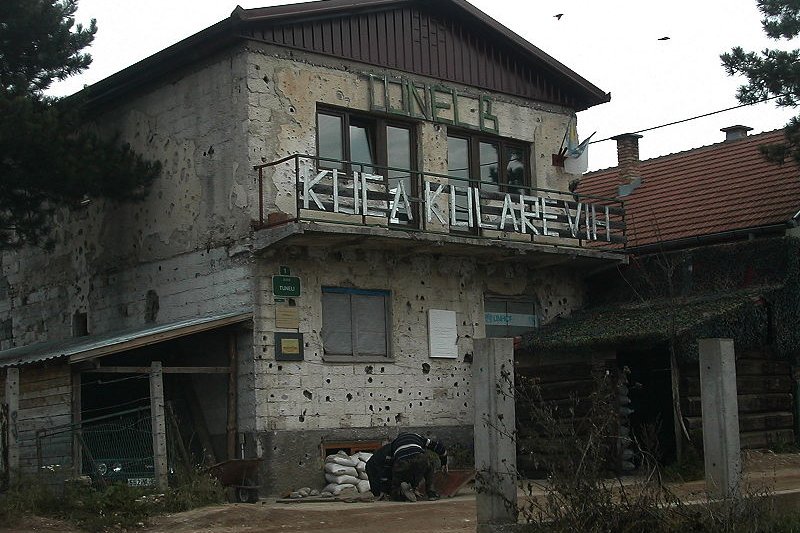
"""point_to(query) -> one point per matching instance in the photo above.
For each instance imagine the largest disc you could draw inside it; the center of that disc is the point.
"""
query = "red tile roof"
(705, 191)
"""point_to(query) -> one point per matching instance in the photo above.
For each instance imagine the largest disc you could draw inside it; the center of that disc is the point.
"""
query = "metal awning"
(85, 348)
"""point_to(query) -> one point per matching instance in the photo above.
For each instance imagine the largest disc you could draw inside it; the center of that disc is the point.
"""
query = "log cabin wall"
(562, 380)
(765, 395)
(45, 400)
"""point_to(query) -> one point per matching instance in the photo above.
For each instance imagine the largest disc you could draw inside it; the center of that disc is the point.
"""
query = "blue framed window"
(355, 322)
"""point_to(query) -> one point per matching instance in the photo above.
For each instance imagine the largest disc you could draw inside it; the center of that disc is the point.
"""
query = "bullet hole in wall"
(280, 368)
(328, 381)
(399, 391)
(369, 380)
(349, 396)
(426, 368)
(308, 394)
(368, 370)
(327, 398)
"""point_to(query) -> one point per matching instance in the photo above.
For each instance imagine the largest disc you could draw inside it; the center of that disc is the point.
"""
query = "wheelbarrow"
(238, 477)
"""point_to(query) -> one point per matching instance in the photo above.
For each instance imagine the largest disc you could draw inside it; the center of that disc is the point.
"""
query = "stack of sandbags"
(346, 473)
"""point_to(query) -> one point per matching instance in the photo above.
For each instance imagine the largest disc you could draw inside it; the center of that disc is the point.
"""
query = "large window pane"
(515, 168)
(331, 144)
(362, 146)
(458, 158)
(369, 314)
(398, 154)
(337, 335)
(490, 166)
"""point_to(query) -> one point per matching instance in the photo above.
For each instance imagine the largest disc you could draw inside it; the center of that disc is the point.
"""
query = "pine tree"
(773, 72)
(50, 155)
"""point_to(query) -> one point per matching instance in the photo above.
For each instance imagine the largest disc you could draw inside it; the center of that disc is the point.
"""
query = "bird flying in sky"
(558, 16)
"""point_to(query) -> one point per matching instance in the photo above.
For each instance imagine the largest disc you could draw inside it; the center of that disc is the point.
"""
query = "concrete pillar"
(495, 433)
(12, 401)
(720, 416)
(159, 427)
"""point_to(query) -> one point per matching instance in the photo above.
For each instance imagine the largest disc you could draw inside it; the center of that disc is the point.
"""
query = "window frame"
(355, 356)
(507, 300)
(380, 125)
(504, 144)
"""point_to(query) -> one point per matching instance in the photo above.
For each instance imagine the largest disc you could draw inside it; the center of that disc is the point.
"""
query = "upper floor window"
(370, 144)
(500, 165)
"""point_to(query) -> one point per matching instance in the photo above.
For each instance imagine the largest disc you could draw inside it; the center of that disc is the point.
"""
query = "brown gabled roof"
(446, 39)
(709, 191)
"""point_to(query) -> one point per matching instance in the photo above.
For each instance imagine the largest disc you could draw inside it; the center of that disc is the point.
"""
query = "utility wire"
(695, 117)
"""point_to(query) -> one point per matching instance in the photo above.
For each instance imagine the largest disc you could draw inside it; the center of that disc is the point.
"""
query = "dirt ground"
(776, 472)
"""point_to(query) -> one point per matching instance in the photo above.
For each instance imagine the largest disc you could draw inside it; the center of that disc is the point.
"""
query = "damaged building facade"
(350, 195)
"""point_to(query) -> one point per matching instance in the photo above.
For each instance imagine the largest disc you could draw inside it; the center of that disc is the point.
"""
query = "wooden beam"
(164, 370)
(232, 397)
(12, 400)
(159, 428)
(77, 451)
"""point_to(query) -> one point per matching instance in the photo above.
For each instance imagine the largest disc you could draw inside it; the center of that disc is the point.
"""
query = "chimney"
(733, 133)
(627, 156)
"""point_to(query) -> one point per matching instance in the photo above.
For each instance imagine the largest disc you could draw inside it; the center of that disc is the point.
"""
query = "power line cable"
(693, 118)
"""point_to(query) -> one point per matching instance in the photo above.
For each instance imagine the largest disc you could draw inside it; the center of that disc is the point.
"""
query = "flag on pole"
(576, 154)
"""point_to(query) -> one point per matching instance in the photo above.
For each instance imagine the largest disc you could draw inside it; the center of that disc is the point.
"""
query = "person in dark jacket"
(412, 464)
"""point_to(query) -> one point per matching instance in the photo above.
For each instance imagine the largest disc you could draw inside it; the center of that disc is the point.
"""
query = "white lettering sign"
(459, 207)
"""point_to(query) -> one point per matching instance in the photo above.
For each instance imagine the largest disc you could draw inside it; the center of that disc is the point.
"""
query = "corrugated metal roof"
(710, 190)
(83, 348)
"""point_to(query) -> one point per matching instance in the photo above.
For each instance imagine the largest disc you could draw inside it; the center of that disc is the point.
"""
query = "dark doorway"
(650, 391)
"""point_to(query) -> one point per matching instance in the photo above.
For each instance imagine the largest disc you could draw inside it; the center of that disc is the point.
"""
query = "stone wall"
(410, 388)
(177, 254)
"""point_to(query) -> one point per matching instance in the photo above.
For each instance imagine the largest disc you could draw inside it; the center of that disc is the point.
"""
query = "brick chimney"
(733, 133)
(627, 156)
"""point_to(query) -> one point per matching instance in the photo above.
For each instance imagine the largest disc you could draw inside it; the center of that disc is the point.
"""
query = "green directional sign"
(286, 286)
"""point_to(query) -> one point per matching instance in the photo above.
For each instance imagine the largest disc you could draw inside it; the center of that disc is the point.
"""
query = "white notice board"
(442, 333)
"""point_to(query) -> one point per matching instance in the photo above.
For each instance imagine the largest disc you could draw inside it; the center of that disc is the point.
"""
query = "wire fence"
(115, 448)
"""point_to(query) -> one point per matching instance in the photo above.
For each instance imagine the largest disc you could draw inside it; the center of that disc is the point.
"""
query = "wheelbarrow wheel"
(246, 495)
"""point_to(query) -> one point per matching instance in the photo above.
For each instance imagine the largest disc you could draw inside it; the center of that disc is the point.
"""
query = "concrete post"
(720, 416)
(495, 433)
(159, 427)
(12, 401)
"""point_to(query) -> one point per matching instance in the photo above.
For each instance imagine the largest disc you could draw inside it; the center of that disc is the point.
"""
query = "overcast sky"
(612, 43)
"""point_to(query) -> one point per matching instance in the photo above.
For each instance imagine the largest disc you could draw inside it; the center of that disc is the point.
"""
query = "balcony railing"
(345, 192)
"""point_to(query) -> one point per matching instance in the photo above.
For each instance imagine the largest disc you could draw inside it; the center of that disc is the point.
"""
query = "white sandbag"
(352, 480)
(336, 488)
(341, 458)
(363, 486)
(361, 466)
(364, 456)
(339, 470)
(362, 475)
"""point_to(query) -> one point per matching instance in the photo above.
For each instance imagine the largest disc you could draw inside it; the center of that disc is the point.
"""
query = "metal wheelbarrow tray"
(239, 478)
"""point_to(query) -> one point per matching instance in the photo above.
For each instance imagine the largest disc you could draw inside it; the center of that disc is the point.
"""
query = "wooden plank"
(13, 440)
(748, 403)
(29, 394)
(44, 401)
(165, 370)
(745, 384)
(757, 367)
